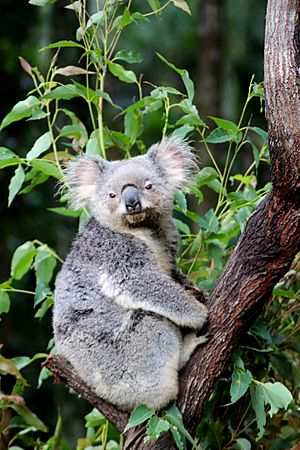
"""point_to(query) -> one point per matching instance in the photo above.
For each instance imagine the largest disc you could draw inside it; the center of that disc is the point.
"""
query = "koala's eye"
(148, 186)
(112, 195)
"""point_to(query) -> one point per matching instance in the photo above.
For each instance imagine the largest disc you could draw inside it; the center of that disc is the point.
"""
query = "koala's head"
(132, 193)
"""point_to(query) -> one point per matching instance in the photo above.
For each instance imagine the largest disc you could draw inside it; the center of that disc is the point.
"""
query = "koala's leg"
(189, 342)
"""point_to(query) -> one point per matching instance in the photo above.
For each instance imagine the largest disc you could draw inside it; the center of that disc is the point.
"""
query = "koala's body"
(120, 305)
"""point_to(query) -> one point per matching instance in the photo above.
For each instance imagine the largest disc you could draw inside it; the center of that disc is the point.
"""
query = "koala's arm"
(148, 289)
(189, 286)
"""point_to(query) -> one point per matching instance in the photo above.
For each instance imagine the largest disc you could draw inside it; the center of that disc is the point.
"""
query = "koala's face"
(132, 193)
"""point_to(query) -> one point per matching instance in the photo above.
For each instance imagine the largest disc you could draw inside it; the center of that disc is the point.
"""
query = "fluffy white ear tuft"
(82, 175)
(175, 158)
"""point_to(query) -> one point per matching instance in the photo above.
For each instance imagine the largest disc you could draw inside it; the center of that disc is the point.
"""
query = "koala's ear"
(175, 158)
(83, 174)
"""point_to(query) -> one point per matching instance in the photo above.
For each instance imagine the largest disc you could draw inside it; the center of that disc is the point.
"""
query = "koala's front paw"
(200, 316)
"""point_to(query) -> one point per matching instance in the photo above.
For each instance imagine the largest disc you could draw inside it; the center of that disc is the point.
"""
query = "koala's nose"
(131, 199)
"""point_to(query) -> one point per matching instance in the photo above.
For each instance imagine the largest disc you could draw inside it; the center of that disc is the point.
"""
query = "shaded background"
(221, 45)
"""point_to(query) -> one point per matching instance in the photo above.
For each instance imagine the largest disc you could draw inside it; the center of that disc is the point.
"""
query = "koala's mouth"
(135, 217)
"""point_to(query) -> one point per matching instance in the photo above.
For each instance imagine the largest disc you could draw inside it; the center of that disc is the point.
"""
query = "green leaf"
(44, 264)
(156, 425)
(181, 201)
(8, 158)
(257, 401)
(94, 419)
(29, 417)
(4, 302)
(64, 211)
(227, 125)
(174, 417)
(262, 133)
(240, 382)
(242, 444)
(7, 366)
(22, 260)
(277, 396)
(154, 4)
(95, 19)
(123, 20)
(182, 4)
(24, 361)
(59, 44)
(188, 83)
(121, 73)
(41, 2)
(130, 57)
(40, 146)
(47, 304)
(42, 291)
(209, 222)
(218, 136)
(133, 125)
(139, 415)
(43, 376)
(47, 168)
(15, 183)
(65, 92)
(22, 109)
(182, 132)
(183, 227)
(178, 438)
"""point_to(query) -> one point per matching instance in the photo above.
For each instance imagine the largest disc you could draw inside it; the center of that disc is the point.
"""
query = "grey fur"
(120, 306)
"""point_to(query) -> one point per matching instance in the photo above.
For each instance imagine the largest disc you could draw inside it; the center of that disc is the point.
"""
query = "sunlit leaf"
(22, 260)
(15, 183)
(20, 111)
(47, 168)
(182, 4)
(4, 302)
(40, 146)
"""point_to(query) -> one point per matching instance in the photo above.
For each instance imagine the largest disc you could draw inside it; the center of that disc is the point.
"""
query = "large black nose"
(131, 199)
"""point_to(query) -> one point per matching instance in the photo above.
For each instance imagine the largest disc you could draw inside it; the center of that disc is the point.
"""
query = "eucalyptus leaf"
(130, 57)
(8, 158)
(22, 260)
(4, 302)
(60, 44)
(21, 110)
(257, 401)
(15, 184)
(47, 168)
(139, 415)
(240, 382)
(121, 73)
(40, 146)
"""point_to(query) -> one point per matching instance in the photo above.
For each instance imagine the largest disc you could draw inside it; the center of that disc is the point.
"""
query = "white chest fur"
(157, 248)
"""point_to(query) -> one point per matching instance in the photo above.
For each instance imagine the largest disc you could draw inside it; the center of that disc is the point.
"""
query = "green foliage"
(255, 403)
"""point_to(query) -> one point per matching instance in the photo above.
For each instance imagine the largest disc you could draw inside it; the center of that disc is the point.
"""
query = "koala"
(124, 317)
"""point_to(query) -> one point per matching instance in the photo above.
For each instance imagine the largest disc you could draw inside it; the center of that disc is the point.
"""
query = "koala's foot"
(189, 342)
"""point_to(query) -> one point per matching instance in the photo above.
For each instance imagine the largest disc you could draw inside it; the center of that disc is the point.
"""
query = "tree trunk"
(272, 235)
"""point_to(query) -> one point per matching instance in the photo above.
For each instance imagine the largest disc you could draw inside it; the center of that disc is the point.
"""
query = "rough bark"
(270, 240)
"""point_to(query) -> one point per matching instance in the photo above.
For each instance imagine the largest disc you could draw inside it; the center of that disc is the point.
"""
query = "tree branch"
(267, 247)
